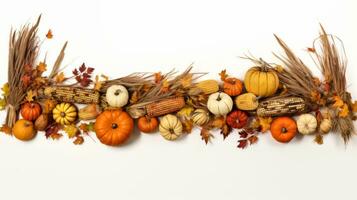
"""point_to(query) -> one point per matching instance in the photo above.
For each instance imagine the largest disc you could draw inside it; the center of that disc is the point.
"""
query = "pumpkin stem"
(171, 131)
(114, 125)
(117, 92)
(63, 114)
(284, 130)
(219, 97)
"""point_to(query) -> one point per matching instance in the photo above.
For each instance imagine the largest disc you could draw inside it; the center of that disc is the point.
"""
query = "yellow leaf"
(186, 81)
(6, 89)
(59, 78)
(30, 95)
(315, 96)
(49, 34)
(99, 81)
(354, 106)
(344, 111)
(71, 130)
(165, 86)
(2, 103)
(338, 102)
(185, 112)
(279, 68)
(265, 123)
(41, 67)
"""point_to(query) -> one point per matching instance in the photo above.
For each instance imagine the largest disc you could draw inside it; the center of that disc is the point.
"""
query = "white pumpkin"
(117, 96)
(306, 124)
(325, 125)
(219, 103)
(200, 117)
(170, 127)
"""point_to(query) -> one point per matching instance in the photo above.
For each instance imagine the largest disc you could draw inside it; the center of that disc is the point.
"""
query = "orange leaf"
(49, 105)
(206, 135)
(225, 130)
(26, 80)
(310, 49)
(338, 102)
(265, 123)
(186, 81)
(187, 126)
(49, 34)
(59, 78)
(158, 77)
(253, 139)
(56, 136)
(165, 86)
(6, 129)
(315, 96)
(223, 75)
(344, 111)
(79, 140)
(41, 67)
(218, 122)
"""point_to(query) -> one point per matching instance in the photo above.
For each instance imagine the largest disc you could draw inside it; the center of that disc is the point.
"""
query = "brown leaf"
(344, 111)
(225, 130)
(242, 144)
(52, 131)
(134, 97)
(41, 67)
(315, 96)
(26, 80)
(338, 102)
(206, 135)
(79, 140)
(218, 122)
(30, 95)
(59, 78)
(187, 125)
(49, 105)
(223, 75)
(158, 77)
(5, 129)
(265, 123)
(49, 34)
(319, 139)
(354, 106)
(86, 128)
(310, 49)
(253, 139)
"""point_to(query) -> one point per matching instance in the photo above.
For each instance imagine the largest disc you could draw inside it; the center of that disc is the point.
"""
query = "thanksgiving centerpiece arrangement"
(286, 99)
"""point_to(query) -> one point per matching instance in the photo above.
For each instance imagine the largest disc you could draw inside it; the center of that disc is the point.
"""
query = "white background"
(132, 36)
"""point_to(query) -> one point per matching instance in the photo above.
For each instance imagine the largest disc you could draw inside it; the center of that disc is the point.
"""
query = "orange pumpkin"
(283, 129)
(113, 127)
(237, 119)
(148, 124)
(232, 86)
(30, 111)
(24, 130)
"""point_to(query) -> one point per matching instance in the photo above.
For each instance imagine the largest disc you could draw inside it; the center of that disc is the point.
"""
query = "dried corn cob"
(72, 94)
(281, 106)
(208, 86)
(165, 106)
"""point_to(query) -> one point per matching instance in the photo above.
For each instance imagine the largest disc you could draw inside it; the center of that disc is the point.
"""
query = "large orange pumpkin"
(113, 127)
(148, 124)
(283, 129)
(232, 86)
(237, 119)
(30, 111)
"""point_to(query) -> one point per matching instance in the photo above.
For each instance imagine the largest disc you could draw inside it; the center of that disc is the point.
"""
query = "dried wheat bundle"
(23, 51)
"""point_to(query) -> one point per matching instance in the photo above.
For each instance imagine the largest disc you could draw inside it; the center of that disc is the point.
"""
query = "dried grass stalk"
(23, 50)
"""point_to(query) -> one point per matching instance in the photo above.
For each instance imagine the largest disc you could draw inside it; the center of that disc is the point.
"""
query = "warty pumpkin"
(113, 127)
(247, 101)
(117, 96)
(170, 127)
(237, 119)
(283, 129)
(261, 81)
(200, 117)
(148, 124)
(232, 86)
(306, 124)
(24, 130)
(64, 113)
(30, 111)
(219, 103)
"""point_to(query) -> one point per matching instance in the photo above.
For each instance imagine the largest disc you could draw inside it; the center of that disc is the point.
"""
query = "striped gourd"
(281, 106)
(72, 94)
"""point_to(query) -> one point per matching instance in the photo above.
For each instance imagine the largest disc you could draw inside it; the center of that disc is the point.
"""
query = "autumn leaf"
(5, 89)
(223, 75)
(79, 140)
(187, 126)
(99, 81)
(49, 34)
(41, 67)
(186, 81)
(49, 105)
(86, 128)
(3, 103)
(225, 130)
(344, 111)
(243, 134)
(217, 122)
(158, 77)
(71, 130)
(242, 144)
(319, 139)
(185, 112)
(253, 139)
(338, 102)
(255, 124)
(134, 97)
(265, 123)
(26, 80)
(52, 131)
(310, 49)
(5, 129)
(316, 81)
(30, 96)
(59, 78)
(165, 86)
(354, 106)
(206, 135)
(315, 96)
(279, 68)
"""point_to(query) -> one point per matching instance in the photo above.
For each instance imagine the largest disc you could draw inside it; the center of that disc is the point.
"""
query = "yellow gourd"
(261, 81)
(64, 113)
(247, 101)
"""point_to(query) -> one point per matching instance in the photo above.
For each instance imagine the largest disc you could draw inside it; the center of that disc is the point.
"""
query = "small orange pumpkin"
(232, 86)
(237, 119)
(24, 130)
(113, 127)
(283, 129)
(147, 124)
(30, 111)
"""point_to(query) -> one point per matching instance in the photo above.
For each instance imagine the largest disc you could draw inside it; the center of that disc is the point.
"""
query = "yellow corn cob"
(208, 86)
(165, 106)
(72, 94)
(281, 106)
